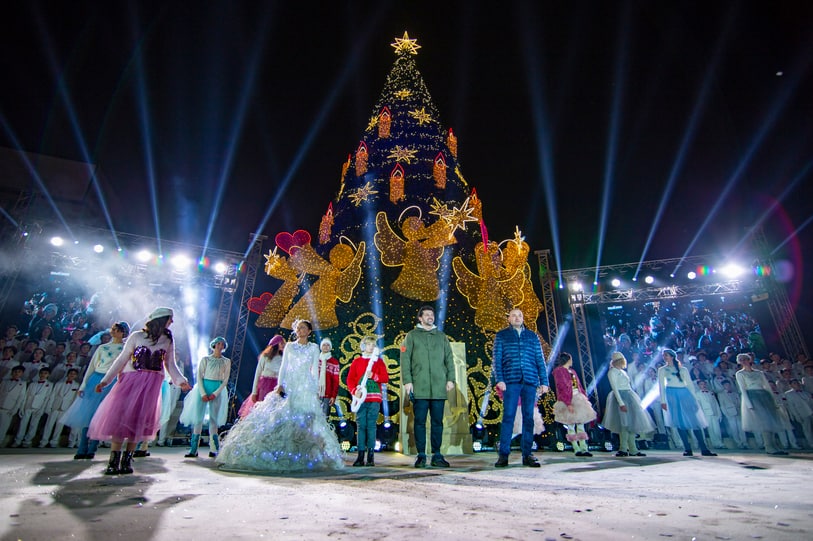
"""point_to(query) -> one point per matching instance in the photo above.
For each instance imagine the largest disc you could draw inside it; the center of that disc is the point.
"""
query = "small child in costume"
(572, 408)
(625, 415)
(37, 403)
(62, 396)
(365, 378)
(209, 393)
(328, 376)
(12, 398)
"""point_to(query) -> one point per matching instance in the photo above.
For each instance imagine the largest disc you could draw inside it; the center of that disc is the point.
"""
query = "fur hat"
(327, 341)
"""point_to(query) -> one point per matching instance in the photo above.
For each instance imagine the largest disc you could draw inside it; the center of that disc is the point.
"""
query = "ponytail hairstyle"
(563, 359)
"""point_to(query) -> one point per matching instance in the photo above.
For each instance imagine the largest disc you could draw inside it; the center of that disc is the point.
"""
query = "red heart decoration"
(286, 240)
(258, 304)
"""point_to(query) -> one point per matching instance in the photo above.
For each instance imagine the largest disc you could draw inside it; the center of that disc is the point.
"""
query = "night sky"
(270, 97)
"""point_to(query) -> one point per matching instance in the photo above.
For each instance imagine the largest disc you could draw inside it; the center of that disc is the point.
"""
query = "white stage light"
(616, 282)
(57, 241)
(732, 270)
(181, 262)
(98, 248)
(691, 275)
(649, 279)
(144, 256)
(575, 286)
(220, 267)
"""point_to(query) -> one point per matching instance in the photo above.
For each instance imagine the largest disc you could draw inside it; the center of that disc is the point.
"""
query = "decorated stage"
(739, 495)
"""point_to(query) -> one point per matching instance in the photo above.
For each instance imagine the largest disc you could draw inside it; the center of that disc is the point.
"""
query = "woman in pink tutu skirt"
(132, 409)
(265, 375)
(572, 408)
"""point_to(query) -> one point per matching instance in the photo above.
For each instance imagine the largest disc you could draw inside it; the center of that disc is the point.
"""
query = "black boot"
(370, 457)
(126, 465)
(113, 464)
(360, 460)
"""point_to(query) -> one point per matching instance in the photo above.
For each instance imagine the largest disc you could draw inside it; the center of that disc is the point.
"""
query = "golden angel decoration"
(418, 254)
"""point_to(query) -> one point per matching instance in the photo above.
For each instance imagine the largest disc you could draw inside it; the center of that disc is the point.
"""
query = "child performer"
(800, 409)
(328, 376)
(681, 410)
(209, 393)
(625, 415)
(130, 412)
(364, 380)
(62, 397)
(572, 408)
(266, 374)
(37, 403)
(760, 412)
(83, 408)
(12, 398)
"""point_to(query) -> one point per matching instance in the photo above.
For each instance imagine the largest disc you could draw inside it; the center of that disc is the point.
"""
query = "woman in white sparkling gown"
(287, 431)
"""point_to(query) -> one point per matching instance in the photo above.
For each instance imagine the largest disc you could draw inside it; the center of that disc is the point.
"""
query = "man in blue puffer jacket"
(521, 375)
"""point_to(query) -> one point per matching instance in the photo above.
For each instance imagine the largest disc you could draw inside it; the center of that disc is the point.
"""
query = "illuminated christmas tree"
(404, 230)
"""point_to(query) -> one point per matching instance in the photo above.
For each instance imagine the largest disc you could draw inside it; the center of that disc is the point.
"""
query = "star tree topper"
(405, 45)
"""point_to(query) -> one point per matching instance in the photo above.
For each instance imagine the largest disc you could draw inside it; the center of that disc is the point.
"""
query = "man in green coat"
(427, 374)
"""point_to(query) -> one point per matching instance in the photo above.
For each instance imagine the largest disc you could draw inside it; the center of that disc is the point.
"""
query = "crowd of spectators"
(707, 340)
(48, 347)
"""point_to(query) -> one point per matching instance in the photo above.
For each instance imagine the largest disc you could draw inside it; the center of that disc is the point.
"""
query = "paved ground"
(739, 495)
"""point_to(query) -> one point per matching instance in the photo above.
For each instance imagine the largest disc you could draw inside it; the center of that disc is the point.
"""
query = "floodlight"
(144, 256)
(57, 241)
(181, 261)
(732, 270)
(649, 279)
(98, 248)
(616, 282)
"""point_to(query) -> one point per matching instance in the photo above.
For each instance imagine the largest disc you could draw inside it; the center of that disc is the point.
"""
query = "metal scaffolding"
(548, 298)
(252, 264)
(784, 317)
(585, 351)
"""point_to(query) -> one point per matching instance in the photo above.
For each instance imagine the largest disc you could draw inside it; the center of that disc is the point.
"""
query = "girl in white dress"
(287, 431)
(760, 413)
(208, 394)
(625, 415)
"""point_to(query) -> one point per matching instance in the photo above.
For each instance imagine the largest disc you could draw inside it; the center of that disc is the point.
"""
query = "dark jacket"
(427, 363)
(518, 358)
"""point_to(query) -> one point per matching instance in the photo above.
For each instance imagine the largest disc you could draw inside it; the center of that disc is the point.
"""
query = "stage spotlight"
(691, 275)
(181, 262)
(575, 286)
(98, 248)
(345, 445)
(649, 279)
(616, 282)
(57, 241)
(144, 256)
(732, 270)
(76, 242)
(220, 267)
(479, 436)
